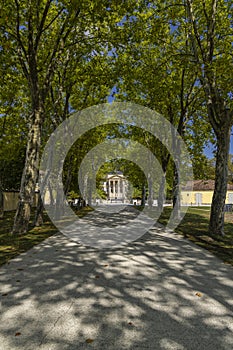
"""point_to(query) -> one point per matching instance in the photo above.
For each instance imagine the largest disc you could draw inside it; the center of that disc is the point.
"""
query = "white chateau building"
(116, 187)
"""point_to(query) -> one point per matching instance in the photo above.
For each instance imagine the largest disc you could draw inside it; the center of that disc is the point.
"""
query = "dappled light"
(158, 292)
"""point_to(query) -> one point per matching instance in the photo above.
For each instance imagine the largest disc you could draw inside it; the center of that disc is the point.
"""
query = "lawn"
(194, 227)
(11, 245)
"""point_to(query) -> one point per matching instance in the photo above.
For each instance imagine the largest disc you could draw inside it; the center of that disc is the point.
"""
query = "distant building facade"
(202, 193)
(116, 187)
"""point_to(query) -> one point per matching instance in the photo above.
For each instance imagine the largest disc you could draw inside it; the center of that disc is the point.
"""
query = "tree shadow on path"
(159, 292)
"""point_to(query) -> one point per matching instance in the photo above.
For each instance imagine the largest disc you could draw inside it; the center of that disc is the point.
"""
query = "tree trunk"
(85, 188)
(89, 192)
(161, 196)
(220, 117)
(176, 213)
(51, 197)
(68, 178)
(216, 225)
(29, 176)
(176, 195)
(59, 204)
(38, 221)
(1, 203)
(143, 195)
(150, 192)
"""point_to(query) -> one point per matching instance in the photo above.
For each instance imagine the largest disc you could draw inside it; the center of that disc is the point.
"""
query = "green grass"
(194, 227)
(12, 245)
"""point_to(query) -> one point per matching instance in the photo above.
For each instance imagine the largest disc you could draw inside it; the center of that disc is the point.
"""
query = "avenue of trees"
(59, 57)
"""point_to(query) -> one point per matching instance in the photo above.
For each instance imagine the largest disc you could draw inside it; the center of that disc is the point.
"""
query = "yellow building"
(11, 199)
(202, 193)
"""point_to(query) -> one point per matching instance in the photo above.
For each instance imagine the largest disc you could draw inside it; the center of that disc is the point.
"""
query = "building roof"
(203, 185)
(117, 174)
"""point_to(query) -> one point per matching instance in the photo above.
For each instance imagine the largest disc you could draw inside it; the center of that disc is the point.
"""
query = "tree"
(210, 32)
(13, 138)
(37, 32)
(43, 36)
(193, 40)
(154, 76)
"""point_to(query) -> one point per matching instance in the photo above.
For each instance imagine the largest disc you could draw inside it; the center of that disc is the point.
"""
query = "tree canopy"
(59, 57)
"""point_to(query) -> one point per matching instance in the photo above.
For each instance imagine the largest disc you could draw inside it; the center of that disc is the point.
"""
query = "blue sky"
(208, 151)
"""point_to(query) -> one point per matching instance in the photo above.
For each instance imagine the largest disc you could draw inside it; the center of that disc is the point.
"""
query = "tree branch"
(60, 37)
(41, 25)
(20, 45)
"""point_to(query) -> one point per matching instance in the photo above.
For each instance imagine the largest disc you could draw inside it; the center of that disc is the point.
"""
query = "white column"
(108, 189)
(115, 188)
(123, 189)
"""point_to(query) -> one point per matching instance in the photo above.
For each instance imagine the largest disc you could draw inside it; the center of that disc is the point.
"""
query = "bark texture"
(29, 177)
(143, 195)
(1, 204)
(216, 225)
(38, 220)
(161, 196)
(219, 114)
